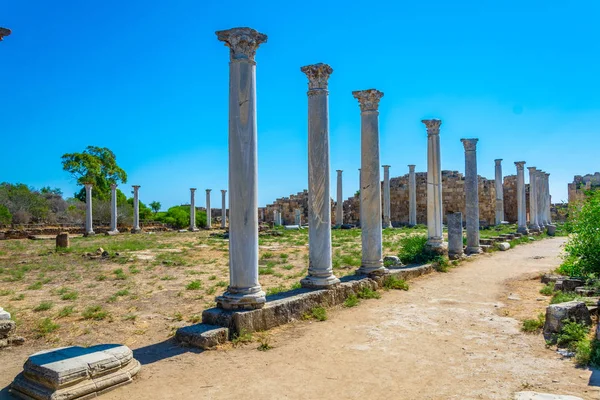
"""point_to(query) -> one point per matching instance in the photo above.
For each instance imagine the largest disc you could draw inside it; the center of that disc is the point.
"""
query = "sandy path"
(443, 339)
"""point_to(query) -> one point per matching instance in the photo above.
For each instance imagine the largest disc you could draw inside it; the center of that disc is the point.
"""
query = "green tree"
(5, 215)
(96, 165)
(179, 217)
(155, 206)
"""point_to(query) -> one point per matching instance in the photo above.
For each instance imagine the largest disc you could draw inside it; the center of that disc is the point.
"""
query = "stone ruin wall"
(581, 184)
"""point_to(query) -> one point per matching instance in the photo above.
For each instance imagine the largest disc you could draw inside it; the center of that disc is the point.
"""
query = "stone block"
(392, 261)
(547, 278)
(6, 328)
(486, 248)
(543, 396)
(4, 315)
(202, 335)
(551, 230)
(503, 246)
(556, 313)
(62, 240)
(570, 284)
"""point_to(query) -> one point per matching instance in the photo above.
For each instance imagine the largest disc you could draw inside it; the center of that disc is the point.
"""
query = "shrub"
(548, 290)
(571, 334)
(441, 264)
(413, 250)
(534, 325)
(394, 282)
(319, 313)
(368, 293)
(351, 301)
(95, 312)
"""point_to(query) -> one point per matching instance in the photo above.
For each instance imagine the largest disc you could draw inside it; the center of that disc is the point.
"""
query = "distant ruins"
(581, 184)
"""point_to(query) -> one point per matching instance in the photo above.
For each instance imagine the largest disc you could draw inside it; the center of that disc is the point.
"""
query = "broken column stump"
(62, 240)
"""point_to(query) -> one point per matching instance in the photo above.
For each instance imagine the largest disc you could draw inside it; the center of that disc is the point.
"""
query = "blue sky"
(149, 80)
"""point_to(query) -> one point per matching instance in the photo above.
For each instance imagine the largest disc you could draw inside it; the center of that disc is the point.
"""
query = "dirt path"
(445, 338)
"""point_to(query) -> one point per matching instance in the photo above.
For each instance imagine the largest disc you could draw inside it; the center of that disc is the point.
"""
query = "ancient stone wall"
(581, 184)
(287, 207)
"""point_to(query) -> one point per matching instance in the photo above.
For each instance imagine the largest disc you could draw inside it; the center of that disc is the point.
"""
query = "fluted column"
(521, 198)
(412, 196)
(223, 208)
(533, 199)
(339, 210)
(244, 291)
(498, 183)
(320, 270)
(387, 212)
(89, 230)
(209, 211)
(113, 209)
(136, 210)
(435, 239)
(471, 196)
(193, 227)
(370, 183)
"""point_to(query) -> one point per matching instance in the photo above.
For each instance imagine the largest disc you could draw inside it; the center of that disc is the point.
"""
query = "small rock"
(503, 246)
(571, 310)
(392, 261)
(105, 254)
(513, 297)
(100, 251)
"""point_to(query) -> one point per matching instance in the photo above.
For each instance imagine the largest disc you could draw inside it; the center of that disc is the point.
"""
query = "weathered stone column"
(412, 196)
(498, 183)
(244, 291)
(209, 211)
(4, 32)
(113, 209)
(136, 210)
(275, 217)
(521, 198)
(435, 239)
(360, 202)
(193, 227)
(387, 217)
(538, 199)
(339, 209)
(471, 195)
(533, 199)
(89, 230)
(297, 216)
(548, 218)
(223, 209)
(370, 183)
(320, 270)
(455, 236)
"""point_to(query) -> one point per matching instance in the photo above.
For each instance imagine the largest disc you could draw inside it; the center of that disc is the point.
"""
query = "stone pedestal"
(412, 196)
(435, 241)
(521, 199)
(223, 209)
(89, 230)
(113, 209)
(370, 186)
(471, 196)
(62, 240)
(339, 208)
(533, 200)
(499, 191)
(193, 227)
(244, 291)
(136, 210)
(208, 210)
(455, 236)
(320, 270)
(387, 219)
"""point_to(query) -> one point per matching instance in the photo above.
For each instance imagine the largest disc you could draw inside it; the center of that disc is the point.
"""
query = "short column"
(370, 183)
(471, 196)
(387, 218)
(533, 199)
(521, 199)
(223, 208)
(412, 196)
(498, 183)
(455, 236)
(89, 230)
(244, 291)
(193, 227)
(435, 239)
(339, 209)
(297, 217)
(136, 210)
(320, 269)
(208, 210)
(113, 209)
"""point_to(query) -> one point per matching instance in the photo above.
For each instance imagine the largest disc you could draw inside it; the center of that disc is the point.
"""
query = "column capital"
(433, 126)
(385, 166)
(192, 189)
(532, 170)
(368, 99)
(208, 190)
(498, 161)
(135, 187)
(113, 186)
(520, 165)
(4, 32)
(339, 171)
(88, 185)
(242, 42)
(411, 167)
(469, 144)
(318, 75)
(223, 191)
(547, 174)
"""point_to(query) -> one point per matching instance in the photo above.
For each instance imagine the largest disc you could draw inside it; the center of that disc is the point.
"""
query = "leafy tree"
(5, 215)
(179, 217)
(24, 203)
(155, 206)
(96, 165)
(145, 212)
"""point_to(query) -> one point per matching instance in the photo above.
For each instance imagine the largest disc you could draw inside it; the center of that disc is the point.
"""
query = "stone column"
(533, 199)
(370, 183)
(538, 198)
(387, 212)
(262, 215)
(275, 217)
(320, 270)
(193, 227)
(435, 239)
(471, 196)
(548, 218)
(455, 236)
(113, 209)
(498, 183)
(360, 202)
(208, 210)
(89, 230)
(4, 32)
(244, 291)
(412, 196)
(297, 217)
(521, 199)
(223, 209)
(339, 210)
(136, 210)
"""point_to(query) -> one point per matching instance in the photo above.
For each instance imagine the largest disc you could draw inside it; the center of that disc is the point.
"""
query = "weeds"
(368, 293)
(96, 313)
(44, 327)
(44, 306)
(534, 325)
(395, 283)
(351, 301)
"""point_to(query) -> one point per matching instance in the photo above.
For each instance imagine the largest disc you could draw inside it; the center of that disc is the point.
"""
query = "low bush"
(534, 325)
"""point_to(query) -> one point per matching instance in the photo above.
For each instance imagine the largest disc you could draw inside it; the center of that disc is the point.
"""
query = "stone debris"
(203, 336)
(7, 329)
(62, 240)
(543, 396)
(503, 246)
(547, 278)
(556, 313)
(75, 372)
(392, 261)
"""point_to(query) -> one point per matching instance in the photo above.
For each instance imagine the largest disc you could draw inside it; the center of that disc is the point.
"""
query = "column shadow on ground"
(161, 351)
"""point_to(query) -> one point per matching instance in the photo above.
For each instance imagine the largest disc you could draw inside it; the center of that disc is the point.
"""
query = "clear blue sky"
(149, 80)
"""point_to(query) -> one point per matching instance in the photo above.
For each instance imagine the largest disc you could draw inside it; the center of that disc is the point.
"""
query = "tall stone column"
(339, 209)
(320, 270)
(521, 198)
(209, 210)
(223, 209)
(89, 230)
(244, 291)
(533, 199)
(498, 183)
(539, 202)
(113, 209)
(455, 236)
(360, 202)
(548, 199)
(412, 196)
(370, 183)
(435, 239)
(275, 217)
(471, 196)
(387, 212)
(136, 210)
(193, 227)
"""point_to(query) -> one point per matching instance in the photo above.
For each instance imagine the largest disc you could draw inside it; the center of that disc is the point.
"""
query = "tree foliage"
(155, 206)
(179, 217)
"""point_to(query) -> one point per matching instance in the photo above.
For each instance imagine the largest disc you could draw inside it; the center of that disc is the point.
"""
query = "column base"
(136, 230)
(473, 250)
(242, 299)
(437, 245)
(90, 233)
(378, 271)
(523, 230)
(112, 233)
(387, 226)
(456, 256)
(194, 229)
(319, 282)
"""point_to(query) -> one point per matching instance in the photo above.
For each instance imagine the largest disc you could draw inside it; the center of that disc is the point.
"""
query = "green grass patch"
(96, 313)
(66, 311)
(367, 293)
(393, 282)
(44, 306)
(194, 285)
(44, 327)
(534, 325)
(548, 289)
(351, 301)
(562, 297)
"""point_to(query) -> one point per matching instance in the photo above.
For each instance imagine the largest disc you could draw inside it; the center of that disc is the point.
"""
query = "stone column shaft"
(548, 199)
(209, 211)
(412, 196)
(113, 209)
(434, 186)
(339, 210)
(539, 201)
(471, 196)
(455, 236)
(521, 198)
(360, 201)
(193, 226)
(498, 183)
(387, 217)
(244, 291)
(223, 209)
(533, 199)
(89, 230)
(136, 210)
